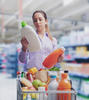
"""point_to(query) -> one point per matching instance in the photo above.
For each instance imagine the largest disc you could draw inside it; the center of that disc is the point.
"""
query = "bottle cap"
(66, 71)
(18, 73)
(64, 75)
(53, 76)
(23, 23)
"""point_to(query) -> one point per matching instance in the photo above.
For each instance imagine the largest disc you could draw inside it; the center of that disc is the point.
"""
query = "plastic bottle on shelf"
(52, 86)
(64, 85)
(29, 33)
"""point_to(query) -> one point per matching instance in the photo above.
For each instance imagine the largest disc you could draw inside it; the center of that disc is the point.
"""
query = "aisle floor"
(7, 87)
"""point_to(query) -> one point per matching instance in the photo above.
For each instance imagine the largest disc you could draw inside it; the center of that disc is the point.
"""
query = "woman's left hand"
(60, 58)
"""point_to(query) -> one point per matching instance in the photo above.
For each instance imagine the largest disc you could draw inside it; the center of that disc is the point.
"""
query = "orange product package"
(52, 58)
(64, 85)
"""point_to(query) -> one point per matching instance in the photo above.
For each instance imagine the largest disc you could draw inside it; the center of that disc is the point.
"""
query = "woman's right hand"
(24, 43)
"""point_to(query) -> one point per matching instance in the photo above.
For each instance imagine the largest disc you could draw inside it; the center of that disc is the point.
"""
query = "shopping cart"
(42, 95)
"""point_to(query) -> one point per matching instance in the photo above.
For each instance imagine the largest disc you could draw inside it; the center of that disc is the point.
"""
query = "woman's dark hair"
(39, 11)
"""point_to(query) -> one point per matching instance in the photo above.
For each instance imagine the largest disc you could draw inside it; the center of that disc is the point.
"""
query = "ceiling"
(63, 16)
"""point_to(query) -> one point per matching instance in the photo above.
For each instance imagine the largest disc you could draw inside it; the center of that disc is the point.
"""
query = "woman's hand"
(24, 43)
(60, 58)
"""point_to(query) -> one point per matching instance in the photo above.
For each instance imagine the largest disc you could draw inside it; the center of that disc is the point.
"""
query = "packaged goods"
(29, 33)
(42, 96)
(42, 75)
(29, 76)
(52, 58)
(64, 85)
(32, 70)
(26, 82)
(52, 86)
(28, 97)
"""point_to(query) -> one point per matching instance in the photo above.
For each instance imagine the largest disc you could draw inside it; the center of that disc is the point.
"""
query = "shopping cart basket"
(42, 95)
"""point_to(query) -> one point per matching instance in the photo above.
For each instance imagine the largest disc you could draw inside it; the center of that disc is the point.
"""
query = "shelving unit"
(77, 62)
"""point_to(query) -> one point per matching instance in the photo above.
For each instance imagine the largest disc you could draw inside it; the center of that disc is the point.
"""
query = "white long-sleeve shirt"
(35, 59)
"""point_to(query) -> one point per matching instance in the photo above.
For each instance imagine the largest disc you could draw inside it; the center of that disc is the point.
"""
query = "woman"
(48, 43)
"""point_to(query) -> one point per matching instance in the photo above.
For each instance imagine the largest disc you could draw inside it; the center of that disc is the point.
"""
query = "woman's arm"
(22, 55)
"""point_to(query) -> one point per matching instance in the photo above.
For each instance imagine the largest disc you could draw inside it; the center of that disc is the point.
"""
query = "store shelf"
(76, 45)
(82, 59)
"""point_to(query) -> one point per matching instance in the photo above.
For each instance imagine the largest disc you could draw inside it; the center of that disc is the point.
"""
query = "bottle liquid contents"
(66, 71)
(64, 85)
(52, 87)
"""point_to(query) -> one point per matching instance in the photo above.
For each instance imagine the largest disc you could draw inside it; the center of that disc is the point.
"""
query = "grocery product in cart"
(52, 58)
(37, 83)
(28, 97)
(33, 70)
(38, 92)
(26, 82)
(66, 71)
(29, 33)
(52, 86)
(42, 96)
(42, 75)
(64, 85)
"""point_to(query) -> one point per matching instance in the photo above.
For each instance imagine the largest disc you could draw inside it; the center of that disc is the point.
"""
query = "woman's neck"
(41, 34)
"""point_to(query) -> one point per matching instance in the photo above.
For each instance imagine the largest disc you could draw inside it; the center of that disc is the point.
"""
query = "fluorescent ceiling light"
(67, 2)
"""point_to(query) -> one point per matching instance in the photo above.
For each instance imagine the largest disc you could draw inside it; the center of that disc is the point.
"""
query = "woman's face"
(39, 21)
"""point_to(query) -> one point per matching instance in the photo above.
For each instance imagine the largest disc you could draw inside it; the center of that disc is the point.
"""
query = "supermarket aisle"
(7, 87)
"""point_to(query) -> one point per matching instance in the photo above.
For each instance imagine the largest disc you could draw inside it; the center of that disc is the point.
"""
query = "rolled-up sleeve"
(22, 56)
(54, 42)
